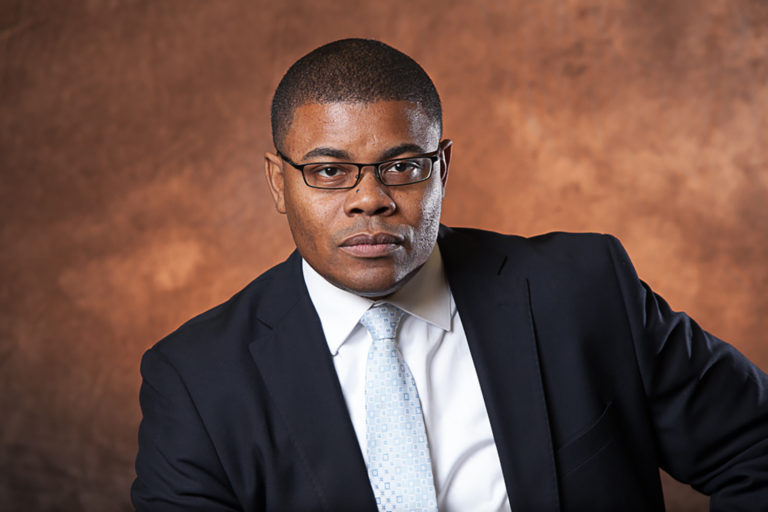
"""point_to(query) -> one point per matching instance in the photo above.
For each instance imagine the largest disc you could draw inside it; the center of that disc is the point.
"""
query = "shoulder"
(552, 239)
(546, 252)
(226, 329)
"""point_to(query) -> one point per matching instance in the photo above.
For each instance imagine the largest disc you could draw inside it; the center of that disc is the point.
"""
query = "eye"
(328, 171)
(404, 166)
(329, 174)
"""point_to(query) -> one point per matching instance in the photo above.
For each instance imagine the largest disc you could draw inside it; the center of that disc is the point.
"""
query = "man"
(397, 364)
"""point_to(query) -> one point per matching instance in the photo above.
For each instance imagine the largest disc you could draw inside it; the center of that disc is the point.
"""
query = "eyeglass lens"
(344, 175)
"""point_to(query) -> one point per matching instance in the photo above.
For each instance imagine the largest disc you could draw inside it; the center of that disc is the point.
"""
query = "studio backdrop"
(132, 195)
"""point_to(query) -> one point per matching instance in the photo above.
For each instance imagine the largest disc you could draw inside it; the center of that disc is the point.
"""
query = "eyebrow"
(328, 152)
(402, 148)
(340, 154)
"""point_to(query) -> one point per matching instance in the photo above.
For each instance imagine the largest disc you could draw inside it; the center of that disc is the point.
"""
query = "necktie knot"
(382, 321)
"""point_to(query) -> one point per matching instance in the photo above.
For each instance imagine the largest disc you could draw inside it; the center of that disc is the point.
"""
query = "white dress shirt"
(465, 462)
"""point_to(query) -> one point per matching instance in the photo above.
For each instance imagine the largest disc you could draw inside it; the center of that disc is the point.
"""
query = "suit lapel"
(493, 302)
(298, 370)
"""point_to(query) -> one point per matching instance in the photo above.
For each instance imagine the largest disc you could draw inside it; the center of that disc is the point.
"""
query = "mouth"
(377, 245)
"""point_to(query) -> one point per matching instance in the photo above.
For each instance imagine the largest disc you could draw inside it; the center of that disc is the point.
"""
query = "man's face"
(369, 239)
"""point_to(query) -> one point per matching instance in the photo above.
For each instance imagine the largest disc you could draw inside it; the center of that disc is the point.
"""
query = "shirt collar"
(426, 296)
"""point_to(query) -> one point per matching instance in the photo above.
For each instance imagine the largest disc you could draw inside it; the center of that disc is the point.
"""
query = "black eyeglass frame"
(433, 156)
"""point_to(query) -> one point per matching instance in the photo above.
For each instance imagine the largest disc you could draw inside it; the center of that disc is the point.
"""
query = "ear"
(273, 170)
(445, 160)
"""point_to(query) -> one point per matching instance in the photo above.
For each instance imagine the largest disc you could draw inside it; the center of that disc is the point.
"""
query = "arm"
(709, 403)
(177, 466)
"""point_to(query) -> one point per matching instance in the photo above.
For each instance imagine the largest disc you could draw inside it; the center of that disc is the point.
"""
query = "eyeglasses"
(346, 175)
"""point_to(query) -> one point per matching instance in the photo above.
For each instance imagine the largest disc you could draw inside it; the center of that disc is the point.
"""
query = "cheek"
(430, 208)
(309, 218)
(299, 212)
(432, 204)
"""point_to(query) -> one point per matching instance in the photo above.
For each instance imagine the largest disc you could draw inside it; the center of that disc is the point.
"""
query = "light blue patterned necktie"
(399, 465)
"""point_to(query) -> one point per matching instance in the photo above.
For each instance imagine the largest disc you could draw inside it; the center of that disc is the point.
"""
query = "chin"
(374, 285)
(371, 289)
(367, 282)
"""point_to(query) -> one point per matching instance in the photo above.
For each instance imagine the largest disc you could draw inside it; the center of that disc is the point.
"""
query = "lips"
(375, 245)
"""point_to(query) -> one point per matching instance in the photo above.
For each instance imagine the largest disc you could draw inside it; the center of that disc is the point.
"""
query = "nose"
(369, 197)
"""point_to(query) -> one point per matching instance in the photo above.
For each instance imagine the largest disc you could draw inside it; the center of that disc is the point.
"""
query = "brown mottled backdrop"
(132, 196)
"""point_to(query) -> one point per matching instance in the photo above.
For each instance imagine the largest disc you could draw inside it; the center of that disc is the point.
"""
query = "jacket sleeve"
(709, 404)
(177, 467)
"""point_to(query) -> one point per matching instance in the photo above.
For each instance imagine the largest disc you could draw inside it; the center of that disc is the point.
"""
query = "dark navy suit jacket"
(590, 380)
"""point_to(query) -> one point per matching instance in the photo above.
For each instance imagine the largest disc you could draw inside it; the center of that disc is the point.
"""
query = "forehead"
(360, 129)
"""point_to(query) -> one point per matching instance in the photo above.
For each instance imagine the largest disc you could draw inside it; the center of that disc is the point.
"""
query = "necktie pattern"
(399, 465)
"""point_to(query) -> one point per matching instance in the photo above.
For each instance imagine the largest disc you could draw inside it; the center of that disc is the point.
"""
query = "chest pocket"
(588, 445)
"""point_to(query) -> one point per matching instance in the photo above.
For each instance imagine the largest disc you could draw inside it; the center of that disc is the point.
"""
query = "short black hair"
(356, 71)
